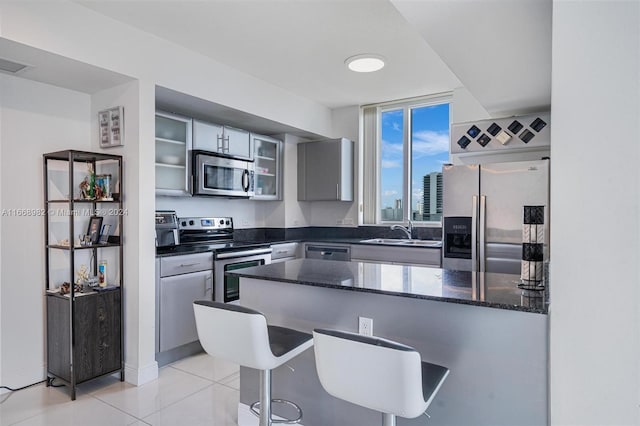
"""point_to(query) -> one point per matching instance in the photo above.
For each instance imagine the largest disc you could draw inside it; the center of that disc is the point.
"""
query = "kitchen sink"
(404, 242)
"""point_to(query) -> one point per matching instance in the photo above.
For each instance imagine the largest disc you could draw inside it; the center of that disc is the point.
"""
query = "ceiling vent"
(11, 67)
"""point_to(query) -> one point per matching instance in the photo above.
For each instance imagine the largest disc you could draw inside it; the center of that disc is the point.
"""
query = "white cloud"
(396, 126)
(391, 149)
(390, 164)
(388, 193)
(428, 142)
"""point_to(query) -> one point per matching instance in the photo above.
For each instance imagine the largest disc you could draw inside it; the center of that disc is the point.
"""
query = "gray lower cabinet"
(401, 255)
(325, 170)
(182, 279)
(177, 293)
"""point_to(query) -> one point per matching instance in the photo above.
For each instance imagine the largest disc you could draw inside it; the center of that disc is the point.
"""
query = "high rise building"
(432, 196)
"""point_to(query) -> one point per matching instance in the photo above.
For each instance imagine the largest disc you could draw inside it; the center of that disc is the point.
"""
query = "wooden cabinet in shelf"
(84, 330)
(95, 328)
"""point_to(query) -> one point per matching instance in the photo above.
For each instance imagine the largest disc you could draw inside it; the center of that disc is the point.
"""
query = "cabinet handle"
(337, 191)
(227, 148)
(184, 265)
(220, 147)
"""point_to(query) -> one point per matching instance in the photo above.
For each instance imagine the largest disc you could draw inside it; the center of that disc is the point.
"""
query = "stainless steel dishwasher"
(327, 251)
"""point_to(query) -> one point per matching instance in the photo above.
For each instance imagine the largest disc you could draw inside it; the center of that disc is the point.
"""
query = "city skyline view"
(429, 151)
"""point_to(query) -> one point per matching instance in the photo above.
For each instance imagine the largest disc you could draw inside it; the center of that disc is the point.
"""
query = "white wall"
(36, 118)
(595, 325)
(138, 151)
(465, 107)
(245, 213)
(1, 207)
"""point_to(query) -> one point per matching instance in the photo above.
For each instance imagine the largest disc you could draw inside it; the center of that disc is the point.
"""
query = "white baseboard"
(18, 378)
(247, 418)
(140, 376)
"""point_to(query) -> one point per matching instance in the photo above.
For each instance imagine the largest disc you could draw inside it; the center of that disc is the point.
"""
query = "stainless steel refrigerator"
(483, 209)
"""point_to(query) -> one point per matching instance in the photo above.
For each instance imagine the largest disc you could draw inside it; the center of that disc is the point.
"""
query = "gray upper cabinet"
(173, 142)
(325, 170)
(222, 139)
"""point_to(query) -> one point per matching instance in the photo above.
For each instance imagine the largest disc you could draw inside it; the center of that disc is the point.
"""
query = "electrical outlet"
(348, 221)
(245, 222)
(365, 326)
(339, 222)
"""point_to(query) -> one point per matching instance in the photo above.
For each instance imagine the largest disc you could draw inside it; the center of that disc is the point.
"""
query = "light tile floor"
(198, 390)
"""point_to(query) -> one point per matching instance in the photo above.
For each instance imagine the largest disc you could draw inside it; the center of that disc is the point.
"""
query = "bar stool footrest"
(255, 407)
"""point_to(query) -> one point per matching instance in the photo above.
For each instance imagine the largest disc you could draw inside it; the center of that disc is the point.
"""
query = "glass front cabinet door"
(173, 142)
(268, 168)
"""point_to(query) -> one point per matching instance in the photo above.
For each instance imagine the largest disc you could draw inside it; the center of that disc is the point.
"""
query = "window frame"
(376, 140)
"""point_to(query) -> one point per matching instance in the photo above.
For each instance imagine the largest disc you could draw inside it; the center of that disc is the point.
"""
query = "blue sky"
(430, 149)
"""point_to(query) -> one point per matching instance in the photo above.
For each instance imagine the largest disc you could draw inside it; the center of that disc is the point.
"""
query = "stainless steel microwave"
(222, 176)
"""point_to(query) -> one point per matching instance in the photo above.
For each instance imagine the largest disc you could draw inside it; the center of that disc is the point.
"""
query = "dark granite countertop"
(234, 245)
(203, 248)
(481, 289)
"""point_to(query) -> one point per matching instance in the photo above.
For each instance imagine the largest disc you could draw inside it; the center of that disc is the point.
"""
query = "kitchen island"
(488, 332)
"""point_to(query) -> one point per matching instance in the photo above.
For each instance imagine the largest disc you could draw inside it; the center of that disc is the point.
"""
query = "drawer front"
(283, 250)
(175, 265)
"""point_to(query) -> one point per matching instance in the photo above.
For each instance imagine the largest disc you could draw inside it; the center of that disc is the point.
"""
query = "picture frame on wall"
(93, 231)
(111, 127)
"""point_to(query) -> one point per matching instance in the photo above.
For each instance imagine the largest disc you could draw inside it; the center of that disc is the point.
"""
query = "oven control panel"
(205, 223)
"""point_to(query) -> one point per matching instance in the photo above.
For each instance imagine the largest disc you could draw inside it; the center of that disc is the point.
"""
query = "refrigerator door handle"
(483, 225)
(474, 233)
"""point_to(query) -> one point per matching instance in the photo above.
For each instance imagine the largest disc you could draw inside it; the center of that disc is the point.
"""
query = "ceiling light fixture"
(365, 63)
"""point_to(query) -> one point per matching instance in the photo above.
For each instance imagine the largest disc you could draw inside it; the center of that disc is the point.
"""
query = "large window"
(410, 145)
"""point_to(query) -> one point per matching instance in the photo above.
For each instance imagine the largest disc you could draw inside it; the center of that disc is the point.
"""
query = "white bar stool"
(241, 335)
(376, 373)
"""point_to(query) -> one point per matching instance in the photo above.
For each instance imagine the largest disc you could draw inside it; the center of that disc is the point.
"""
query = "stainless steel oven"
(227, 289)
(223, 176)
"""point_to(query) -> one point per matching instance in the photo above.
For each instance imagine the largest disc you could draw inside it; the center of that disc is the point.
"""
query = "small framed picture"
(110, 127)
(104, 233)
(95, 225)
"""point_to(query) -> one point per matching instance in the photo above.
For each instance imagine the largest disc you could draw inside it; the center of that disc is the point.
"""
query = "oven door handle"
(239, 254)
(208, 284)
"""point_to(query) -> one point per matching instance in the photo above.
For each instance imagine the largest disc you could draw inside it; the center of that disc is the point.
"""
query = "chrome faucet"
(406, 229)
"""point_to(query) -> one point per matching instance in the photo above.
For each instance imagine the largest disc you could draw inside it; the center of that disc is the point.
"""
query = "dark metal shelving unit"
(85, 338)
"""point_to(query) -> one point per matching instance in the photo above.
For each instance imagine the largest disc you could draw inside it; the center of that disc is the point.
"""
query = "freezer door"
(504, 189)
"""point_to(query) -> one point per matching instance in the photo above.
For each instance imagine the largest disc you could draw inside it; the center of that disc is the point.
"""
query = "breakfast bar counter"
(488, 332)
(481, 289)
